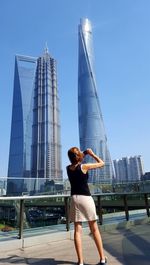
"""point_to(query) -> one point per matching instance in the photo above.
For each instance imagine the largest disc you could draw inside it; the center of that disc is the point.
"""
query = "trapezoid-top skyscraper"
(35, 144)
(91, 126)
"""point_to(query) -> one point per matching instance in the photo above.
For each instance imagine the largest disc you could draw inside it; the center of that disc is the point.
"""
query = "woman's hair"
(75, 155)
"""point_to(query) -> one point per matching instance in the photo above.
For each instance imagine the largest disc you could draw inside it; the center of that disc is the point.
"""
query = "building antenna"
(46, 48)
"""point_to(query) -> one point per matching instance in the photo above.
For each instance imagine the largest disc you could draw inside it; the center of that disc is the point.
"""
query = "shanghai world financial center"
(35, 145)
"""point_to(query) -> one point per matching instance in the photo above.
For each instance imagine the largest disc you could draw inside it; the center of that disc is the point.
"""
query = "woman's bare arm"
(99, 162)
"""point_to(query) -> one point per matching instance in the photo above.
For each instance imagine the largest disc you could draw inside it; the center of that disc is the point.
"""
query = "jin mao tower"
(46, 146)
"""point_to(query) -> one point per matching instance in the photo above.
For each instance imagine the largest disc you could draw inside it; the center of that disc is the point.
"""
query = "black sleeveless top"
(78, 181)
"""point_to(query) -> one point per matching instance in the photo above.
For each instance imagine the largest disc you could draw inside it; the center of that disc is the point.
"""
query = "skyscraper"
(46, 146)
(129, 168)
(91, 126)
(122, 169)
(35, 148)
(21, 124)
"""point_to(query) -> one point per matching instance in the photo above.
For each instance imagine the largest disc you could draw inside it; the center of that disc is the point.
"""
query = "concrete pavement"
(130, 246)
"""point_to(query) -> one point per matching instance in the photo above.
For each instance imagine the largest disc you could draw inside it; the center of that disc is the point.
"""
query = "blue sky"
(121, 35)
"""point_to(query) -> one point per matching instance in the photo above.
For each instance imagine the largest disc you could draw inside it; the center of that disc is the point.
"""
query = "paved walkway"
(122, 247)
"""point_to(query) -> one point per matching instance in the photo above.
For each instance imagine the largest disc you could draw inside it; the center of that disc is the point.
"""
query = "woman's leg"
(97, 238)
(78, 240)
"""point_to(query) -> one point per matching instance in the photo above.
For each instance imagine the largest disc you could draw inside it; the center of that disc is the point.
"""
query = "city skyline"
(121, 43)
(35, 146)
(91, 125)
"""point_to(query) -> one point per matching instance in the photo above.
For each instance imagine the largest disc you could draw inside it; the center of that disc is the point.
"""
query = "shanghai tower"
(91, 125)
(35, 147)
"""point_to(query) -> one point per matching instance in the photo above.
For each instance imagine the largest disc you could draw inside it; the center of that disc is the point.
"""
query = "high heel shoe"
(103, 263)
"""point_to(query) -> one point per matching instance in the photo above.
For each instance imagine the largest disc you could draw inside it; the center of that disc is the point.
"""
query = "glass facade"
(46, 147)
(91, 126)
(35, 148)
(21, 125)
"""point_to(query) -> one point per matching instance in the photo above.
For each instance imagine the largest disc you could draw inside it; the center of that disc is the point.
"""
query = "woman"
(82, 206)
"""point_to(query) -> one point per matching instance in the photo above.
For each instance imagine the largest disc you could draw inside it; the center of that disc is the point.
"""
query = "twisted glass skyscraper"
(91, 126)
(35, 147)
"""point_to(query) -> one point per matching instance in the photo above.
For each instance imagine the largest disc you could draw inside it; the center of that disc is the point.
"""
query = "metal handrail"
(124, 196)
(28, 197)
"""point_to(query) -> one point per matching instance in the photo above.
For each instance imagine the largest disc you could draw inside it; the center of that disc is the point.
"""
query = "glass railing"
(29, 186)
(38, 186)
(33, 215)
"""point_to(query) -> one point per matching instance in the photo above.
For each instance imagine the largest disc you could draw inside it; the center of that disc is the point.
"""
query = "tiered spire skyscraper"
(46, 148)
(91, 126)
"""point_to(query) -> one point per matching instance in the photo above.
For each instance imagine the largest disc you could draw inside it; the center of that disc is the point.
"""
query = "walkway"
(122, 247)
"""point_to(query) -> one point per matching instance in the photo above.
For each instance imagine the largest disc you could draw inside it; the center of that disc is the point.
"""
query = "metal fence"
(27, 207)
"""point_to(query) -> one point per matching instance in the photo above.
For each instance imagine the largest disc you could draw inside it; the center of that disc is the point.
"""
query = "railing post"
(146, 204)
(99, 206)
(21, 219)
(126, 207)
(67, 213)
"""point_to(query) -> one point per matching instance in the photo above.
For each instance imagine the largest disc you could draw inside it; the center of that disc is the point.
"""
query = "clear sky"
(121, 34)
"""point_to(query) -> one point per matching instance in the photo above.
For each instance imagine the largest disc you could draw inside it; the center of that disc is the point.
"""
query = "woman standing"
(82, 206)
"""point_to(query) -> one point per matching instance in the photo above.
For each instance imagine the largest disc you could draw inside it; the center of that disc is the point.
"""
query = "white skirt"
(82, 208)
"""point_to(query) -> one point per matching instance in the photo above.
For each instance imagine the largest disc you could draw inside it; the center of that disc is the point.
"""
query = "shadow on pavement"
(130, 246)
(35, 261)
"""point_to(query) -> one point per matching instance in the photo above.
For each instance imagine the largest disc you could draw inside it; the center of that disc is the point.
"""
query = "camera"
(85, 152)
